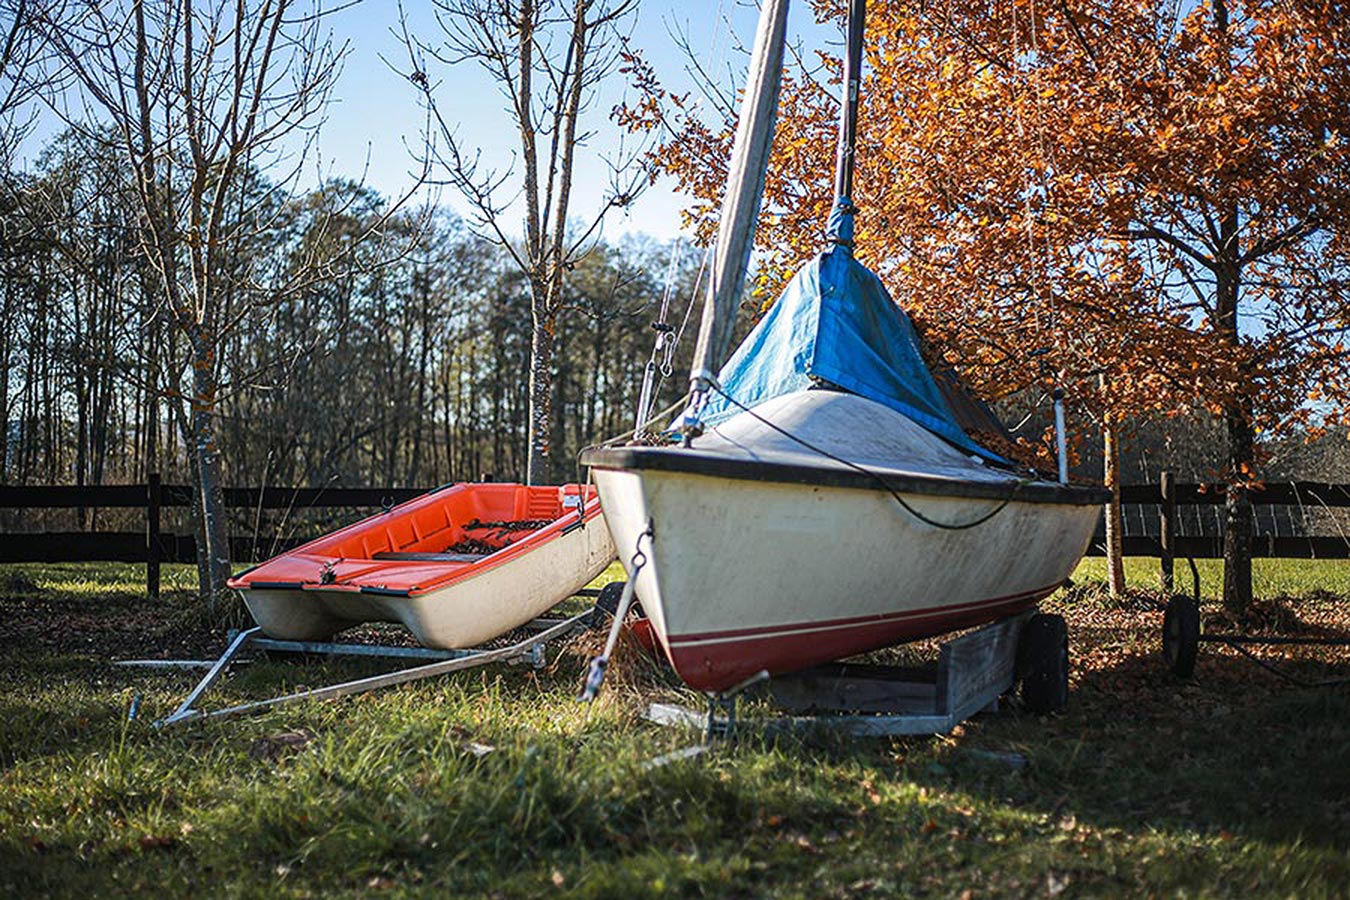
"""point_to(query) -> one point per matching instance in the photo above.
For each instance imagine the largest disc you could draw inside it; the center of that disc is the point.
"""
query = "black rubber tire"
(607, 604)
(1181, 635)
(1043, 661)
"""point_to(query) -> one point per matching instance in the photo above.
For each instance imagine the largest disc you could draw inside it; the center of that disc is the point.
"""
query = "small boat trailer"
(529, 650)
(1182, 637)
(974, 670)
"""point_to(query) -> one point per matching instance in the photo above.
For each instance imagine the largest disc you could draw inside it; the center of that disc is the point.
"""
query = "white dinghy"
(458, 566)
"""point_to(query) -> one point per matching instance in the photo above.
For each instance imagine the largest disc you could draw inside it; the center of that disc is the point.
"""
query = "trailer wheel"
(1043, 660)
(1181, 635)
(606, 604)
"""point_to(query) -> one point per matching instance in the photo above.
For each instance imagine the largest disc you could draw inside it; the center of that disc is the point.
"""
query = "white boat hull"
(766, 556)
(463, 614)
(782, 576)
(458, 566)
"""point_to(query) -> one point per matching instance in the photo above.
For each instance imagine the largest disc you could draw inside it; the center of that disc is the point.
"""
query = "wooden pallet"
(973, 671)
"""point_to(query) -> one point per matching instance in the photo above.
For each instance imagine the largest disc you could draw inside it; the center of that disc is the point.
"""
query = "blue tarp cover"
(835, 321)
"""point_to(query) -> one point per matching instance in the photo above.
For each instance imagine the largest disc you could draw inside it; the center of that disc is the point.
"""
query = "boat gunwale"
(706, 463)
(559, 527)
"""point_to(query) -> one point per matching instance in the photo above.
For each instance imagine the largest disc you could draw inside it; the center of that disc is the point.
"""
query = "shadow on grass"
(1233, 752)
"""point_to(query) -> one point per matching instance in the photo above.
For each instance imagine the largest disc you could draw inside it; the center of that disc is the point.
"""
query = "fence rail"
(153, 546)
(1169, 545)
(1284, 493)
(137, 496)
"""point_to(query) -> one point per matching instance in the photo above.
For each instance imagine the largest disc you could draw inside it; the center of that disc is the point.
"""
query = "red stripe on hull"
(728, 658)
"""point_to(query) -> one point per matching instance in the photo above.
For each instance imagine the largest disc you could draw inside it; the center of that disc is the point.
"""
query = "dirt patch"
(113, 627)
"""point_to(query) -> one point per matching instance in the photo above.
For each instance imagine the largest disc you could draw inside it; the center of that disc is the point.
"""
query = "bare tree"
(548, 57)
(21, 52)
(195, 97)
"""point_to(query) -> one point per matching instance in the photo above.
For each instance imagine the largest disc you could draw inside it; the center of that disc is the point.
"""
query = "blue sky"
(374, 116)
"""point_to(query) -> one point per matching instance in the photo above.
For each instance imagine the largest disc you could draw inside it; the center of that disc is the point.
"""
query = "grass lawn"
(1234, 785)
(1270, 577)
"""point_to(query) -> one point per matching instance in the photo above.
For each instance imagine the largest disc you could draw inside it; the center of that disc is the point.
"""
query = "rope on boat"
(875, 476)
(595, 675)
(626, 437)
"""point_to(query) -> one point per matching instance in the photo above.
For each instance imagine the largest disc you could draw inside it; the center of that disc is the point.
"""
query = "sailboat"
(825, 500)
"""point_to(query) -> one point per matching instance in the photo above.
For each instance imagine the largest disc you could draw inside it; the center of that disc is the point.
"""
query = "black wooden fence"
(153, 546)
(1306, 498)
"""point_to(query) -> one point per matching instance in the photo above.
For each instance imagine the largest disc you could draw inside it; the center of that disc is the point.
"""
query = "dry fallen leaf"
(156, 842)
(274, 747)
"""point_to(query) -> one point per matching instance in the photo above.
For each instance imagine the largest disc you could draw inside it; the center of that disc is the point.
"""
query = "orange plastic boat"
(458, 566)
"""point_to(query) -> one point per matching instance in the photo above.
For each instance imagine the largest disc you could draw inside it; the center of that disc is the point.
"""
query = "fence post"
(154, 498)
(1167, 518)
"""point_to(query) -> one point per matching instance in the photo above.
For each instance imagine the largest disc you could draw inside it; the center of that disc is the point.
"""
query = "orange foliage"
(1037, 174)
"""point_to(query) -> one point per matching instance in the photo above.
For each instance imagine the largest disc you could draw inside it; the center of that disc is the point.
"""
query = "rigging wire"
(1046, 165)
(1035, 409)
(1038, 265)
(626, 436)
(1020, 67)
(663, 334)
(689, 308)
(667, 345)
(694, 294)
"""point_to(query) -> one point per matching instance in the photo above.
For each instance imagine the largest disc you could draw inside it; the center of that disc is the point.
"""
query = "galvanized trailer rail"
(530, 648)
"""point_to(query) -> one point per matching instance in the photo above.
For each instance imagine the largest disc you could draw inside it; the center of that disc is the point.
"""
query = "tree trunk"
(1237, 532)
(6, 350)
(1115, 561)
(150, 334)
(593, 399)
(540, 415)
(421, 413)
(562, 374)
(213, 551)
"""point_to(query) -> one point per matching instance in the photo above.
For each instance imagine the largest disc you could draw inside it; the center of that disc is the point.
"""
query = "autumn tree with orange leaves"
(1154, 195)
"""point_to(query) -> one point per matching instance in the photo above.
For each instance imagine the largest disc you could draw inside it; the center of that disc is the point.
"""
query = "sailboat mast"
(740, 206)
(848, 107)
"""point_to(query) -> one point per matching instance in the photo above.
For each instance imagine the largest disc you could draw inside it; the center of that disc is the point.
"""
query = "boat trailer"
(974, 671)
(1182, 637)
(529, 650)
